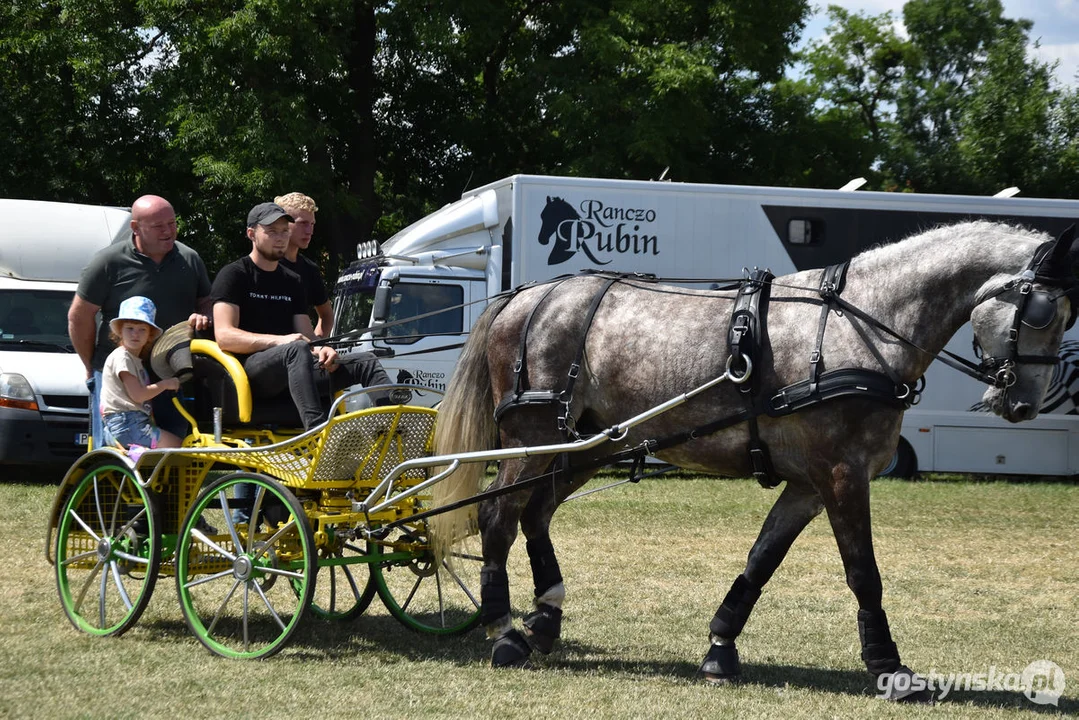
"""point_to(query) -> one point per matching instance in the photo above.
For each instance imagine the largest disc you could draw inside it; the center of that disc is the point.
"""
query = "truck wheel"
(904, 463)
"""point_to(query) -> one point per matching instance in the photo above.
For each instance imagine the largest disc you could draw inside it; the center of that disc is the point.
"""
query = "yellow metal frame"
(235, 371)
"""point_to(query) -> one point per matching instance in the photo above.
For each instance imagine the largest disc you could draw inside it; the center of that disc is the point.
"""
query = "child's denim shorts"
(132, 428)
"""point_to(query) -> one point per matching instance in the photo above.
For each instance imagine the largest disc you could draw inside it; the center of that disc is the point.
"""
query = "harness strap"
(744, 338)
(831, 284)
(565, 419)
(519, 366)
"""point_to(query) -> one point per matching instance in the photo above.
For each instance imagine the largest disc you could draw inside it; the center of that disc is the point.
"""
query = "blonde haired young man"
(302, 209)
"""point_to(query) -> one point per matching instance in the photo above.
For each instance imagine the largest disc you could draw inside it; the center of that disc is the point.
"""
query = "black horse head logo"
(569, 230)
(556, 212)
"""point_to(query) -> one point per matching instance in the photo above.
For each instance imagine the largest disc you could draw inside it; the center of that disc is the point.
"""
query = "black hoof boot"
(510, 650)
(904, 686)
(721, 665)
(543, 626)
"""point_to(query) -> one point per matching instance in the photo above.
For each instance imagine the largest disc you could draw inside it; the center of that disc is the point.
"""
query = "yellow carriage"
(257, 525)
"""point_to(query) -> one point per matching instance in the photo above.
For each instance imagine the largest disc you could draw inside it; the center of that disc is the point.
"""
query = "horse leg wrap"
(543, 626)
(731, 616)
(510, 650)
(494, 595)
(879, 653)
(545, 572)
(721, 663)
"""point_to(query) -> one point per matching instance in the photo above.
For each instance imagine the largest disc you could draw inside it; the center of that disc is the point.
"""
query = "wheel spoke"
(80, 556)
(119, 584)
(86, 586)
(97, 504)
(116, 505)
(85, 527)
(273, 539)
(333, 589)
(131, 523)
(441, 602)
(229, 523)
(460, 583)
(252, 521)
(221, 608)
(208, 578)
(131, 558)
(201, 537)
(247, 596)
(280, 623)
(415, 587)
(101, 598)
(278, 571)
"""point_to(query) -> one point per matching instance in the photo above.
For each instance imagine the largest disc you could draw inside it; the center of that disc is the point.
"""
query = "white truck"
(43, 397)
(526, 228)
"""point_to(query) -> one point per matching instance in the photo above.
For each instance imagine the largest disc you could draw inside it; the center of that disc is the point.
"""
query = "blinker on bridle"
(1035, 309)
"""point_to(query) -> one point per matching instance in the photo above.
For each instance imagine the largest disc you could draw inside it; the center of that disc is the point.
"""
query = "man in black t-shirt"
(260, 315)
(302, 209)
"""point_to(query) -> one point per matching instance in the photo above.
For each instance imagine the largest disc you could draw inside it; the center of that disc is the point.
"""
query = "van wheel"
(904, 463)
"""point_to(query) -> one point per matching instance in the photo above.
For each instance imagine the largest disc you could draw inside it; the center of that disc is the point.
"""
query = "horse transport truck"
(529, 228)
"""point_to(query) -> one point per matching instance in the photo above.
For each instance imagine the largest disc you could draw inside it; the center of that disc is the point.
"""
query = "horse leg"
(790, 514)
(543, 625)
(498, 520)
(847, 504)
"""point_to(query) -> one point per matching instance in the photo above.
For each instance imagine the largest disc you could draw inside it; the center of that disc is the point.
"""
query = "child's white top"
(114, 398)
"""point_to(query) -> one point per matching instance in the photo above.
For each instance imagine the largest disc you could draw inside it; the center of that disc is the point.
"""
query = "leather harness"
(745, 336)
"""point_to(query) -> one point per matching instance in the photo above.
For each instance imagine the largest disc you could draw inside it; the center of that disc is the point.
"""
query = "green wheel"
(245, 566)
(344, 590)
(108, 551)
(426, 595)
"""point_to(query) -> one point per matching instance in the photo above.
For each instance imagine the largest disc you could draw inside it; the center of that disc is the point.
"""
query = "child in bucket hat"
(126, 389)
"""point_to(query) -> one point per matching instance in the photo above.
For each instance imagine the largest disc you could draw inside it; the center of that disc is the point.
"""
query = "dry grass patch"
(976, 574)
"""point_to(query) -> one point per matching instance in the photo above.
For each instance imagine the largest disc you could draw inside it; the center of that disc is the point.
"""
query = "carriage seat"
(220, 381)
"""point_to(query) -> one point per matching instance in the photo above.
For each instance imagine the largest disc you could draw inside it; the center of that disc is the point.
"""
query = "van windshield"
(354, 297)
(34, 320)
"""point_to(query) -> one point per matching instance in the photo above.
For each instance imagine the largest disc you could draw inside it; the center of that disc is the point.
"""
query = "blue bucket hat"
(137, 308)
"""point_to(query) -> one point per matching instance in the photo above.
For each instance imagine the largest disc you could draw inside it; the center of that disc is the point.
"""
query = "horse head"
(1019, 325)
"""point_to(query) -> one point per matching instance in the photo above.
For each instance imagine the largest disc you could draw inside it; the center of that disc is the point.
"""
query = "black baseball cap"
(266, 214)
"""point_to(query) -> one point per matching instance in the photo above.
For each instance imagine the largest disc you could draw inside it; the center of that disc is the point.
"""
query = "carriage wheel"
(442, 598)
(343, 591)
(245, 566)
(108, 551)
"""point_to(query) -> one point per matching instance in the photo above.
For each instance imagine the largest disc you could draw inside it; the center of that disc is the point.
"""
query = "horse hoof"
(543, 626)
(903, 685)
(510, 650)
(721, 665)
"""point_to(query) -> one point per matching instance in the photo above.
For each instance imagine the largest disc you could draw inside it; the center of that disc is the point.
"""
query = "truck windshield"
(411, 299)
(354, 298)
(34, 320)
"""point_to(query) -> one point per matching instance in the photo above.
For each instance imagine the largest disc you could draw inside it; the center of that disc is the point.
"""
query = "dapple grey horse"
(650, 342)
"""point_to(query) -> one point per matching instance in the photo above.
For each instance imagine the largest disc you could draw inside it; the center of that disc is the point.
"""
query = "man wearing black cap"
(260, 315)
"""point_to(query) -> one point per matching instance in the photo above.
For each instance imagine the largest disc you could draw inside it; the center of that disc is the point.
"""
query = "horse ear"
(1062, 256)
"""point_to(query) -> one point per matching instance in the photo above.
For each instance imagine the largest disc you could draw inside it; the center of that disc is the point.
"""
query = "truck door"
(426, 321)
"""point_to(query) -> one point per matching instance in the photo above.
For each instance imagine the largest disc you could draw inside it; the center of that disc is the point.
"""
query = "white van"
(43, 397)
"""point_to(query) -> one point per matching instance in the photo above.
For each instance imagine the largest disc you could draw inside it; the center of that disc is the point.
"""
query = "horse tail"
(465, 424)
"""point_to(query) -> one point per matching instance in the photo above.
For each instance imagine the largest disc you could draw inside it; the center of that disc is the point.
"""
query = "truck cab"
(413, 300)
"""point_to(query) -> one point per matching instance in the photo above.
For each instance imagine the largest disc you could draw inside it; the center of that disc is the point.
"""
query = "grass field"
(975, 575)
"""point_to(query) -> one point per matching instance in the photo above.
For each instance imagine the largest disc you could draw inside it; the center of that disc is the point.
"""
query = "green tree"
(72, 123)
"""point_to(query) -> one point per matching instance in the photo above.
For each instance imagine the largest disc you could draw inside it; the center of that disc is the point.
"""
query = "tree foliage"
(956, 107)
(384, 110)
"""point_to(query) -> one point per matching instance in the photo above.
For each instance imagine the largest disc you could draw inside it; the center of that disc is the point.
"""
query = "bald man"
(153, 265)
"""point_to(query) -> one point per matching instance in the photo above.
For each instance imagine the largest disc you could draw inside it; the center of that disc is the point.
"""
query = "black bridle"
(1034, 308)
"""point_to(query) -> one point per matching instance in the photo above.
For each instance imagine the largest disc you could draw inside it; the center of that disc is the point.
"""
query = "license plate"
(82, 438)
